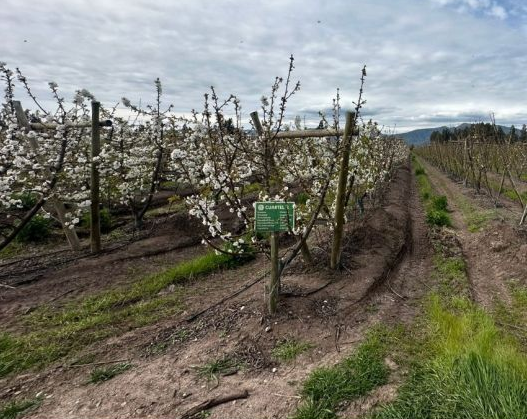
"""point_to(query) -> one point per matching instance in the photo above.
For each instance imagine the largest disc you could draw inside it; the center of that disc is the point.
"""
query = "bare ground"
(387, 262)
(496, 255)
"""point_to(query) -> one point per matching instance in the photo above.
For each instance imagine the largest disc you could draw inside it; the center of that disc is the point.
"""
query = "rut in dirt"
(496, 255)
(395, 296)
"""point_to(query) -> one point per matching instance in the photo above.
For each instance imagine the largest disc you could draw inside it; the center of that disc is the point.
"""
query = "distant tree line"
(481, 131)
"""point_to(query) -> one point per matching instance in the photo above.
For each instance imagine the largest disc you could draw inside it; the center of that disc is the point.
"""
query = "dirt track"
(496, 255)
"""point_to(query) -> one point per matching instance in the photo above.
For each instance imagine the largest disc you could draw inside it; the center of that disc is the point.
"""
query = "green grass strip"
(53, 334)
(470, 370)
(436, 206)
(17, 409)
(327, 388)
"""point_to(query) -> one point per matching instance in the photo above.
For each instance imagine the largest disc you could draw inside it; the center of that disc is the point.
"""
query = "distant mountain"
(421, 136)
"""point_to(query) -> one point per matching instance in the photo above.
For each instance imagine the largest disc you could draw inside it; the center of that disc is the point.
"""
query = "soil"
(496, 255)
(387, 262)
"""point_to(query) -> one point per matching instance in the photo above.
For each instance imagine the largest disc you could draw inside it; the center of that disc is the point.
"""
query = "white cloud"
(423, 58)
(498, 11)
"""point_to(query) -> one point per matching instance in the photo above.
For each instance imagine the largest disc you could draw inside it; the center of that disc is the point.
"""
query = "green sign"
(274, 216)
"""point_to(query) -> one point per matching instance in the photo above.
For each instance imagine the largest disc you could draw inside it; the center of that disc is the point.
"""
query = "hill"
(421, 136)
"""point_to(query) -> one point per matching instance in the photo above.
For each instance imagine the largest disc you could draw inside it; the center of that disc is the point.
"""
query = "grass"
(17, 409)
(289, 349)
(461, 365)
(436, 206)
(326, 389)
(470, 369)
(476, 220)
(99, 375)
(53, 334)
(11, 250)
(513, 316)
(451, 275)
(213, 369)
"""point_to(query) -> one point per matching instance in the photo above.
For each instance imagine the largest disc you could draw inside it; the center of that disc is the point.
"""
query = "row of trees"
(477, 158)
(481, 130)
(227, 166)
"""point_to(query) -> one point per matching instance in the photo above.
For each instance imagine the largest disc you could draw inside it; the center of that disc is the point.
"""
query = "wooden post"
(523, 215)
(273, 288)
(95, 221)
(336, 248)
(256, 122)
(58, 205)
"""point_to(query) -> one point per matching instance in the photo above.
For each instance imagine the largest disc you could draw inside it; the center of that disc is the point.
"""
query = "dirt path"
(387, 263)
(496, 255)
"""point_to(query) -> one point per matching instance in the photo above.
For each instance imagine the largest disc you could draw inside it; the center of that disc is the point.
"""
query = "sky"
(429, 62)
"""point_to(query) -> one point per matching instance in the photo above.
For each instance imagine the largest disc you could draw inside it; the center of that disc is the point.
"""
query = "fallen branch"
(216, 401)
(7, 286)
(244, 288)
(286, 395)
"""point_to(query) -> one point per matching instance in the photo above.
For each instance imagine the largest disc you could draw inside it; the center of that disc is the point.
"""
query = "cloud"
(498, 12)
(424, 60)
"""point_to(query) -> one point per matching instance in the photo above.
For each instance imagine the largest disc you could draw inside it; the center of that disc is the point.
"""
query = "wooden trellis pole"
(95, 219)
(58, 205)
(340, 199)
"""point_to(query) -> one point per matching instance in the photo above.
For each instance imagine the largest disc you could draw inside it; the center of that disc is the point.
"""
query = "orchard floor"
(387, 261)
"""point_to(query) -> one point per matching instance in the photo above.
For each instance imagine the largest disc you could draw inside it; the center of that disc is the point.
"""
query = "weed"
(327, 388)
(475, 219)
(435, 205)
(156, 348)
(440, 203)
(99, 375)
(438, 218)
(289, 349)
(105, 220)
(37, 229)
(213, 369)
(11, 250)
(16, 409)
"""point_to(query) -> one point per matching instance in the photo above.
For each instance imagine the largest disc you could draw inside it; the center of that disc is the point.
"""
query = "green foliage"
(302, 198)
(440, 203)
(289, 349)
(213, 369)
(437, 218)
(105, 218)
(253, 187)
(435, 205)
(16, 409)
(471, 370)
(327, 388)
(99, 375)
(37, 229)
(53, 333)
(475, 219)
(28, 200)
(11, 250)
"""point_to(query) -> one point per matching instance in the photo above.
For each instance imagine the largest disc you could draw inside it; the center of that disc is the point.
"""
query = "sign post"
(273, 217)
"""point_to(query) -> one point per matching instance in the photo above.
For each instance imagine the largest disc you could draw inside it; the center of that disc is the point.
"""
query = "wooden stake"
(256, 122)
(340, 199)
(95, 221)
(273, 288)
